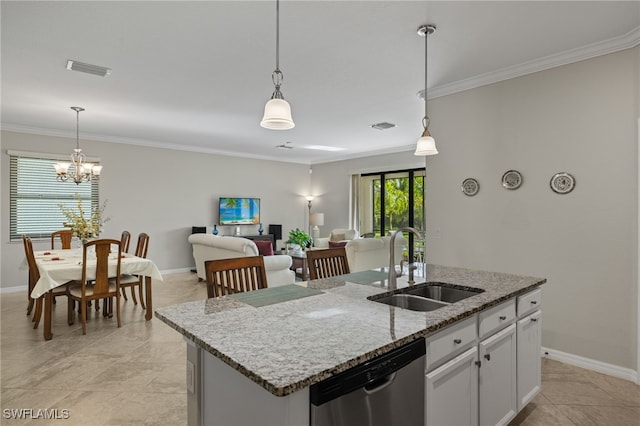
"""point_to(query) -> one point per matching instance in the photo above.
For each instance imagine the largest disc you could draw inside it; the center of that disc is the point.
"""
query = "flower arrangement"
(82, 227)
(301, 238)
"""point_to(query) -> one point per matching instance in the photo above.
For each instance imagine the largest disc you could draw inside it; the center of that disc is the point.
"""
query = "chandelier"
(82, 171)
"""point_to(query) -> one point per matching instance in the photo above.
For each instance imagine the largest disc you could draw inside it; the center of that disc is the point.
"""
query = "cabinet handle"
(487, 357)
(457, 341)
(502, 317)
(534, 319)
(534, 302)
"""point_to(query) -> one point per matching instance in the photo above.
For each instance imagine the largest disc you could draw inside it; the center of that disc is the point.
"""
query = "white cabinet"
(497, 378)
(529, 358)
(452, 392)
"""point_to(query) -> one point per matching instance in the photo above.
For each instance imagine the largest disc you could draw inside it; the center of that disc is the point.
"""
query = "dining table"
(58, 267)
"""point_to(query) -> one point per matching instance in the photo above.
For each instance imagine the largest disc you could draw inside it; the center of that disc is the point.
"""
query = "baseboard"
(591, 364)
(15, 289)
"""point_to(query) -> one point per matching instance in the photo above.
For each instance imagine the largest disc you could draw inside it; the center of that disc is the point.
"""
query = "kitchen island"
(285, 346)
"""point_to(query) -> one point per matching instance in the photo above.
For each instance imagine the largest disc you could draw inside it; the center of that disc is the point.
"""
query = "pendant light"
(426, 144)
(277, 112)
(82, 171)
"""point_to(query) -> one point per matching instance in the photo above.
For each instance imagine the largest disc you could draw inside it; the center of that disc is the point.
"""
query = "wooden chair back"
(327, 263)
(125, 239)
(101, 281)
(142, 246)
(34, 273)
(65, 236)
(237, 275)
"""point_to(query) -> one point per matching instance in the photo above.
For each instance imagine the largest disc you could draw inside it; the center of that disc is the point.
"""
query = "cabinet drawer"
(529, 302)
(496, 318)
(445, 344)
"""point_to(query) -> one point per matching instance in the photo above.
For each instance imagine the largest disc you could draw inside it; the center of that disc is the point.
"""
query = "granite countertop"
(287, 346)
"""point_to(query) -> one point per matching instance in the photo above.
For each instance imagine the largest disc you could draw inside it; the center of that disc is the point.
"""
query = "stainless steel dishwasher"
(388, 390)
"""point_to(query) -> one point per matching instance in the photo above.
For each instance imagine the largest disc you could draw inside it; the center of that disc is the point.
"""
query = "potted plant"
(300, 238)
(84, 228)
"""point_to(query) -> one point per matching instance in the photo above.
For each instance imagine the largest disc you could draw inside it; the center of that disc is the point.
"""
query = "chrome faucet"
(392, 281)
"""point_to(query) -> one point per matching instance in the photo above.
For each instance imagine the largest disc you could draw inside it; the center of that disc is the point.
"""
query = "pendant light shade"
(426, 145)
(277, 111)
(277, 115)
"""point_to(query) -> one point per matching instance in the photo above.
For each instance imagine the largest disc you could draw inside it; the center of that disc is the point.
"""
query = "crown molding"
(612, 45)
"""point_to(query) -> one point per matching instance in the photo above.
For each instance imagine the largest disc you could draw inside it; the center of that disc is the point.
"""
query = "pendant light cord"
(277, 76)
(425, 121)
(277, 35)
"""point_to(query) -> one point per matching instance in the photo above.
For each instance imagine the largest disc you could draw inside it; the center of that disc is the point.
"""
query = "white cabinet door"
(452, 392)
(497, 378)
(529, 358)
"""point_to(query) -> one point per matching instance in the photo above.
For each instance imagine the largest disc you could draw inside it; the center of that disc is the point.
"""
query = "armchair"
(373, 253)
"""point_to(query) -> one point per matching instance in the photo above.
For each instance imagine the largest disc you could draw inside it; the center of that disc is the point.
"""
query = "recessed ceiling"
(196, 75)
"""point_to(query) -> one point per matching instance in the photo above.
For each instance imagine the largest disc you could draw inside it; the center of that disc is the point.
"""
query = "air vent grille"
(383, 126)
(88, 68)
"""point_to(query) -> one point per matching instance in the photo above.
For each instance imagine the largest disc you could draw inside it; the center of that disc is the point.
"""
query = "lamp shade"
(277, 115)
(317, 219)
(426, 145)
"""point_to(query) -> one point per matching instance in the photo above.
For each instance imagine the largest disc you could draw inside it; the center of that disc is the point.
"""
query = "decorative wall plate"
(470, 187)
(512, 179)
(562, 183)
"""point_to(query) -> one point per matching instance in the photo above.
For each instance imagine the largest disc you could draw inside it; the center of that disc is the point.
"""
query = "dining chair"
(34, 276)
(133, 281)
(236, 275)
(124, 241)
(327, 263)
(99, 287)
(65, 236)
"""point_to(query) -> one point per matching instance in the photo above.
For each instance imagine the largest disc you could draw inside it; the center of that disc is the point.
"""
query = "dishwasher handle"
(380, 384)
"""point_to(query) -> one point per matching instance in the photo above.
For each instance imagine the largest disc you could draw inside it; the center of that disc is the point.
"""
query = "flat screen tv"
(239, 211)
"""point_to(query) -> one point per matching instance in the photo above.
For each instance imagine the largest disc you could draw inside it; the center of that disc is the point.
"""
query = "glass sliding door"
(392, 200)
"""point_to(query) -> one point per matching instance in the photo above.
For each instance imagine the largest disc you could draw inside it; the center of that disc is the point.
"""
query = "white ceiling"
(196, 75)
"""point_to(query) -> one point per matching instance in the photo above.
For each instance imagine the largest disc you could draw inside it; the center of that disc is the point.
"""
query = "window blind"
(36, 195)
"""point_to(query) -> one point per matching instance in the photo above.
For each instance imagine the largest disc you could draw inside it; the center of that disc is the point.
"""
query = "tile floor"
(135, 375)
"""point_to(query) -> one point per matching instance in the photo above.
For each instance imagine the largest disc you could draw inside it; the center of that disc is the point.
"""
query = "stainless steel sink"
(441, 292)
(426, 297)
(411, 302)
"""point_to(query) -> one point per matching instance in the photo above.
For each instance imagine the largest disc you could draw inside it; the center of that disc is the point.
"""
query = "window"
(35, 196)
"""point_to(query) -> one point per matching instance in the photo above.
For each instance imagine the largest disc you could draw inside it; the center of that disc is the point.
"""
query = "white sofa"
(373, 253)
(211, 247)
(338, 234)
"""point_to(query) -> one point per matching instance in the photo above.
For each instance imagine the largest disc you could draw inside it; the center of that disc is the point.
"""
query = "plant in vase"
(82, 227)
(300, 238)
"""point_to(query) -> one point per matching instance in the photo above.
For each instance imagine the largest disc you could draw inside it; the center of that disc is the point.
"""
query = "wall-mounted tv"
(239, 211)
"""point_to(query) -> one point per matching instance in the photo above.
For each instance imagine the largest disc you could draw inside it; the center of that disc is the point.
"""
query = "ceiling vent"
(88, 68)
(383, 126)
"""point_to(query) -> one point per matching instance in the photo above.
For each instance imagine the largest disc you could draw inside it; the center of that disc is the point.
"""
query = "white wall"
(580, 118)
(163, 193)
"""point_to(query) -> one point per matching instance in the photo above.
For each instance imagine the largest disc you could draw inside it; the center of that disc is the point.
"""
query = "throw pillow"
(336, 244)
(337, 237)
(265, 248)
